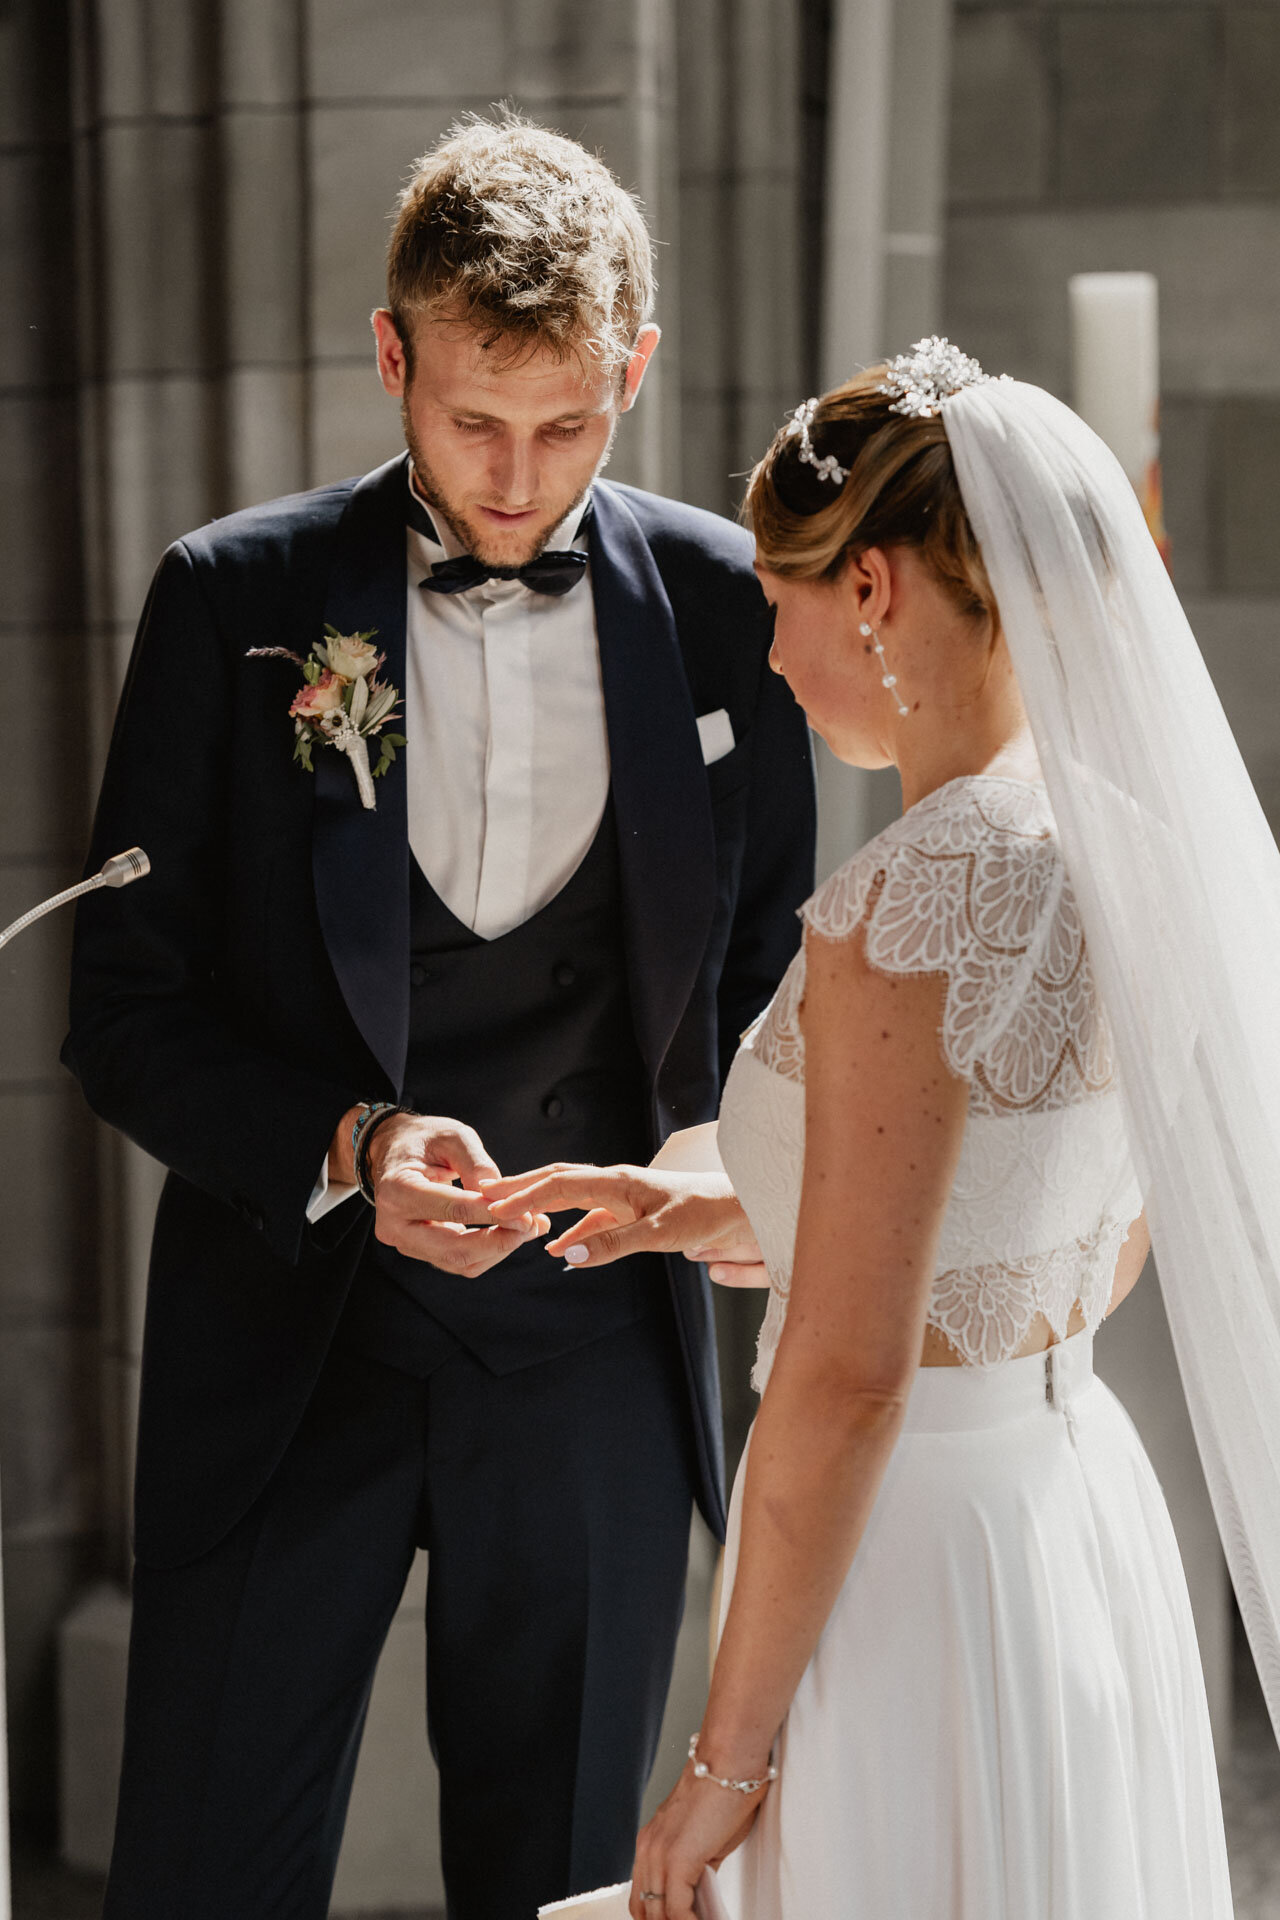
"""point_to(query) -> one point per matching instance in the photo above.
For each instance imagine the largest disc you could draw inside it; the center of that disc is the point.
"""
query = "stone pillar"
(193, 393)
(887, 114)
(49, 1306)
(742, 281)
(744, 278)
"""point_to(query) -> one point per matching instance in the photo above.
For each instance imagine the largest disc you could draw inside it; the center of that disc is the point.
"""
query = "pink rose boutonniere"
(342, 703)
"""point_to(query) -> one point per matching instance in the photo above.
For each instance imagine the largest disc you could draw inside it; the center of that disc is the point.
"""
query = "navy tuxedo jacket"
(229, 1009)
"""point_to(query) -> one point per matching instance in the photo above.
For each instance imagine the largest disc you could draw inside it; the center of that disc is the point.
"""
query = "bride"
(957, 1677)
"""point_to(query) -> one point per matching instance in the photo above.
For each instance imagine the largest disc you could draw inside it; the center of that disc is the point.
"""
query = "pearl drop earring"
(887, 679)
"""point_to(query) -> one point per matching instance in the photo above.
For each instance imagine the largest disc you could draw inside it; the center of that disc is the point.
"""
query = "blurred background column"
(889, 71)
(193, 388)
(50, 1423)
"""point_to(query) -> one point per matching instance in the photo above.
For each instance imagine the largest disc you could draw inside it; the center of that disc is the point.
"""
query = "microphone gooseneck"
(119, 871)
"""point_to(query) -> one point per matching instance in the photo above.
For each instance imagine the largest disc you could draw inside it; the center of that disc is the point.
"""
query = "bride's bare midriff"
(938, 1351)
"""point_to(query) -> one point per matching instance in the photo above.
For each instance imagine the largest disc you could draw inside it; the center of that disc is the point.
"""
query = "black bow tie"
(549, 573)
(552, 573)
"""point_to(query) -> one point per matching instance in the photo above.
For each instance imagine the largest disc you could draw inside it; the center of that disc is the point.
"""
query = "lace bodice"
(969, 884)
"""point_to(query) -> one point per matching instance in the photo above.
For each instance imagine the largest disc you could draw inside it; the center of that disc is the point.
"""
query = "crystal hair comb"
(921, 380)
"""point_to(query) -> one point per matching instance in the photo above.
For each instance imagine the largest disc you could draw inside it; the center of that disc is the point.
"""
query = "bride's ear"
(867, 579)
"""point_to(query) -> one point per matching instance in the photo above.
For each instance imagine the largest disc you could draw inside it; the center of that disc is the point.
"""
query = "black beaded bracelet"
(372, 1121)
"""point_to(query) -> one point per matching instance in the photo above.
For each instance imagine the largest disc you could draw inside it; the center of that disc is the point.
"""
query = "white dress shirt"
(507, 758)
(508, 754)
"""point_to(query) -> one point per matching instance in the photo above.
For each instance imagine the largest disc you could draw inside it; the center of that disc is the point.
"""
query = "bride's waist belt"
(955, 1399)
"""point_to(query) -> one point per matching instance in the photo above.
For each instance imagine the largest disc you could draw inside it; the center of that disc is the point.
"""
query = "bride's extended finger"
(577, 1187)
(502, 1186)
(607, 1244)
(591, 1223)
(466, 1254)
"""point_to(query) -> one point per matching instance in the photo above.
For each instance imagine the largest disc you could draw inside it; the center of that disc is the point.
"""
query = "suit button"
(417, 975)
(563, 974)
(553, 1106)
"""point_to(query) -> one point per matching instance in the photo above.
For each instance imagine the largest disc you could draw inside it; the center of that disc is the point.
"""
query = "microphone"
(121, 870)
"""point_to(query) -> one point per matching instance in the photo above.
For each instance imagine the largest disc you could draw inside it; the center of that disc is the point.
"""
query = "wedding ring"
(650, 1896)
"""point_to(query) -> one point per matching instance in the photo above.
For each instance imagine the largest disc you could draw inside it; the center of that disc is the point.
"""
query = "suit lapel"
(360, 858)
(665, 839)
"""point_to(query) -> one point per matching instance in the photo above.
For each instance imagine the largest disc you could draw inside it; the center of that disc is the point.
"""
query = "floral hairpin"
(828, 468)
(921, 380)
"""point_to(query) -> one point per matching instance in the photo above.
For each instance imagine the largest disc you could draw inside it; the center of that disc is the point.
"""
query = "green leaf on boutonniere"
(381, 702)
(388, 742)
(312, 671)
(332, 633)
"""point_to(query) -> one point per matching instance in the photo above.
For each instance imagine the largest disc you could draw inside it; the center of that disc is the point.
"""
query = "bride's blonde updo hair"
(901, 491)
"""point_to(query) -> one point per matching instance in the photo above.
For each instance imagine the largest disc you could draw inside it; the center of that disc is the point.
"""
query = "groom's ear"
(393, 361)
(641, 354)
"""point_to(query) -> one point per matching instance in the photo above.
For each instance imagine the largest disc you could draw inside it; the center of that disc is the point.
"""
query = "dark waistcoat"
(528, 1038)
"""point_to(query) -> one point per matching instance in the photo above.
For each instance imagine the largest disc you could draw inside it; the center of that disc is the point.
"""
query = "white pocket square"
(715, 730)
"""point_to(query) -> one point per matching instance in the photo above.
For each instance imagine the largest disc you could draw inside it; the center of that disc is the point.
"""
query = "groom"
(577, 886)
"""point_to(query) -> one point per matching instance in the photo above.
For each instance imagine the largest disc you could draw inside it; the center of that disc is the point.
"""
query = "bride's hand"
(697, 1826)
(630, 1210)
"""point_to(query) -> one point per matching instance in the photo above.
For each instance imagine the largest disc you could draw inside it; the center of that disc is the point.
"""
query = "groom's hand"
(424, 1170)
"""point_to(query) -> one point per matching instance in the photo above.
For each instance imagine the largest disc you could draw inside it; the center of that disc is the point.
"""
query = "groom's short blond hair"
(526, 236)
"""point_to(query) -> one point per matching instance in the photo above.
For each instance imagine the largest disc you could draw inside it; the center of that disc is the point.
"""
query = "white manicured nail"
(576, 1255)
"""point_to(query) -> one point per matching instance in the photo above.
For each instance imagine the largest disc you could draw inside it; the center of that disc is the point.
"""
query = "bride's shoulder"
(981, 850)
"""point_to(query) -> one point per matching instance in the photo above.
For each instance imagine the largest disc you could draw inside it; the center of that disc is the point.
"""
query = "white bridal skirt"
(1005, 1716)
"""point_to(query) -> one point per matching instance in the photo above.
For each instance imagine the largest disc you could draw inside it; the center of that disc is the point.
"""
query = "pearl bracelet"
(701, 1771)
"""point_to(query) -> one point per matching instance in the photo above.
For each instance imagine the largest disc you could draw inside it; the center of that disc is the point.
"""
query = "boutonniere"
(342, 703)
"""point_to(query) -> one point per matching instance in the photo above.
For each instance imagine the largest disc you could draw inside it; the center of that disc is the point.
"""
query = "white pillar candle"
(1115, 350)
(1115, 355)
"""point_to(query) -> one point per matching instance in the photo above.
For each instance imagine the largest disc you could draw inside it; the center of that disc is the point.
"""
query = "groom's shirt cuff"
(327, 1194)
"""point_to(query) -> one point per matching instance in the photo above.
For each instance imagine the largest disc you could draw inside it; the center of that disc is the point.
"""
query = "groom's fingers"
(466, 1254)
(410, 1193)
(460, 1148)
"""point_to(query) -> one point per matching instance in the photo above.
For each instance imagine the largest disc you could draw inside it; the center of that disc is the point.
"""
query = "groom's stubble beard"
(477, 542)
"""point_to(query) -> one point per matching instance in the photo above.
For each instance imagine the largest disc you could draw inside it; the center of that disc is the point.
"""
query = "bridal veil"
(1177, 877)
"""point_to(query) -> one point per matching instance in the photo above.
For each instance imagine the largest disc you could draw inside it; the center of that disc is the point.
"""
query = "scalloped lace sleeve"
(970, 885)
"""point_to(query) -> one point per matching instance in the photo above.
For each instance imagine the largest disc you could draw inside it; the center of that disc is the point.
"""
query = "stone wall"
(1105, 136)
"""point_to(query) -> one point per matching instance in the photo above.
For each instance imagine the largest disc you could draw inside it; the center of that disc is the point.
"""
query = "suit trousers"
(554, 1504)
